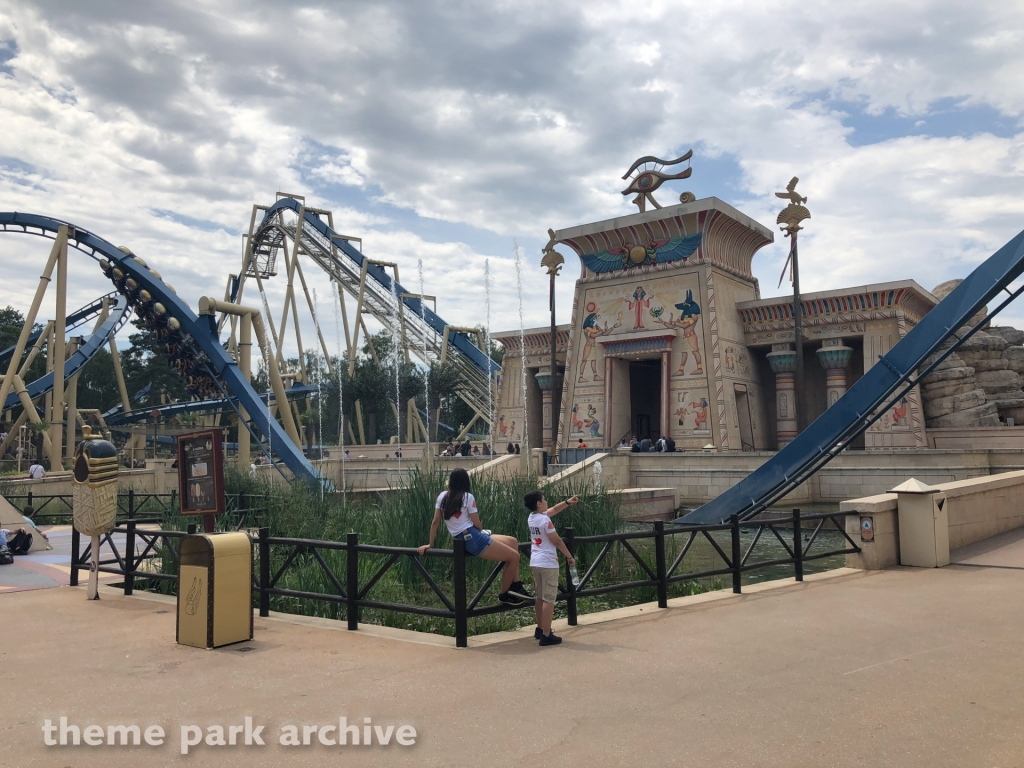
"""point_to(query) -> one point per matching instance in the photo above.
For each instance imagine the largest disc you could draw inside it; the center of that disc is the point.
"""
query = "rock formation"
(979, 385)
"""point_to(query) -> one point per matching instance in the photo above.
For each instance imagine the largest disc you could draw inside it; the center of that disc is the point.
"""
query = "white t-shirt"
(460, 521)
(543, 553)
(36, 472)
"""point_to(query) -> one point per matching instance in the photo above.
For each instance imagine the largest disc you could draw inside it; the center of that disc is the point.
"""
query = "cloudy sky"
(444, 131)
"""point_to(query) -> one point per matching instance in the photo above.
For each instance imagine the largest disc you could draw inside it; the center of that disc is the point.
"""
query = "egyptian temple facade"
(670, 337)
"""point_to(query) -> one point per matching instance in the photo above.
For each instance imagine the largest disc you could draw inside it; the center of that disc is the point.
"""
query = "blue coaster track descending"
(190, 342)
(895, 374)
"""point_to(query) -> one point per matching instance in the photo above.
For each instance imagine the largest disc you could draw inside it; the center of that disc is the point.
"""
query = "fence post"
(798, 546)
(243, 511)
(75, 555)
(352, 583)
(461, 623)
(659, 559)
(264, 572)
(737, 565)
(129, 547)
(29, 510)
(570, 597)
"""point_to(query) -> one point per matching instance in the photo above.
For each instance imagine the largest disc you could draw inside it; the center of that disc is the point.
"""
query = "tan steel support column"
(359, 422)
(245, 365)
(26, 403)
(59, 332)
(212, 306)
(316, 316)
(12, 435)
(71, 397)
(36, 349)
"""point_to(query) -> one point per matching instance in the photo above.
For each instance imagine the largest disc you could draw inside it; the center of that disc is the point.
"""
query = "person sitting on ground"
(36, 471)
(581, 444)
(545, 543)
(466, 448)
(634, 446)
(398, 453)
(670, 445)
(645, 445)
(517, 447)
(19, 541)
(457, 507)
(511, 448)
(660, 445)
(476, 450)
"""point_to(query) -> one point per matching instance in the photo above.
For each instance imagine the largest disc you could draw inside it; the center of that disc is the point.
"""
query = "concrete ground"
(50, 568)
(907, 667)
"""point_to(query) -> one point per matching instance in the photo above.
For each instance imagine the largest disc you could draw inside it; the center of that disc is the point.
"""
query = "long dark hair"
(458, 487)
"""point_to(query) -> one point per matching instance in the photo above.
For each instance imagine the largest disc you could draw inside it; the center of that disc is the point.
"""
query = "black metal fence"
(56, 509)
(354, 590)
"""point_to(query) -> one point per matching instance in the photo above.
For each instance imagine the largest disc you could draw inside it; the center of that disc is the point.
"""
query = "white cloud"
(510, 118)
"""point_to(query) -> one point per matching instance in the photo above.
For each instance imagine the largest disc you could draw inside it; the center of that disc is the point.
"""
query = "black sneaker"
(509, 599)
(538, 633)
(551, 639)
(519, 590)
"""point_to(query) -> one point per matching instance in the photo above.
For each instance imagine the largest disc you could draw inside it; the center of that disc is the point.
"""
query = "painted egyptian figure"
(592, 332)
(689, 314)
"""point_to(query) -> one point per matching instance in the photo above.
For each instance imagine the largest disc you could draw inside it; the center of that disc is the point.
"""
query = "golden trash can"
(215, 590)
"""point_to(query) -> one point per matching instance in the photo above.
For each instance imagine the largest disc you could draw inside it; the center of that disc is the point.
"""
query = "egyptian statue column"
(94, 491)
(835, 359)
(782, 359)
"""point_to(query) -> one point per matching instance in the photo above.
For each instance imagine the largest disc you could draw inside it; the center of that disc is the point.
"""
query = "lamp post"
(789, 219)
(552, 262)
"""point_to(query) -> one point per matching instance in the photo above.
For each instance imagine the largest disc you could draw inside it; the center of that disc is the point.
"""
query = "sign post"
(201, 475)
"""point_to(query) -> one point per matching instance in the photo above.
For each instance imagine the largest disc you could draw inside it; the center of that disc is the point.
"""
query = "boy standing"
(545, 543)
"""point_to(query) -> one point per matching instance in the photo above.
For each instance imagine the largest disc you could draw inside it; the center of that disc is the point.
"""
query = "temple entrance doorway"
(645, 398)
(743, 416)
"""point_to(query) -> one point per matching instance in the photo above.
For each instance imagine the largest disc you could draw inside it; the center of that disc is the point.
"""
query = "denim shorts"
(476, 540)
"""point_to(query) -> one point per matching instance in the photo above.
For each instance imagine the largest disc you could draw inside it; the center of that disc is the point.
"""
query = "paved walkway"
(44, 569)
(907, 667)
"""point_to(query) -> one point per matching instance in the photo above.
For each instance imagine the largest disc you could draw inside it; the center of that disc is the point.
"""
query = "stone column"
(782, 359)
(666, 372)
(834, 358)
(544, 382)
(608, 407)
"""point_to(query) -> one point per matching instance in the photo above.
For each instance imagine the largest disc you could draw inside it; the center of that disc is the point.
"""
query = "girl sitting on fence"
(458, 509)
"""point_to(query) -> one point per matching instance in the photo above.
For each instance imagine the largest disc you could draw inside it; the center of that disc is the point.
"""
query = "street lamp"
(789, 219)
(552, 262)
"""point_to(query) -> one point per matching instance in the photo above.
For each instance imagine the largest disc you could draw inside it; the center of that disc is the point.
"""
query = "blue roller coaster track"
(190, 342)
(119, 312)
(895, 374)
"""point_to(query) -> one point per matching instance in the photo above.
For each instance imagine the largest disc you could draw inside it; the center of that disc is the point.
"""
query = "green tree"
(97, 383)
(145, 363)
(443, 385)
(11, 323)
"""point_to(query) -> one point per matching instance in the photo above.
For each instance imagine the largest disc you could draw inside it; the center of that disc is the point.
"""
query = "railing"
(56, 509)
(576, 455)
(354, 590)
